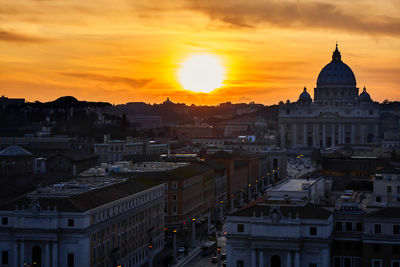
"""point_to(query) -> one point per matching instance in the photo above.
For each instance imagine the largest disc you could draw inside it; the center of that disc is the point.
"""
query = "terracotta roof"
(180, 173)
(388, 212)
(85, 201)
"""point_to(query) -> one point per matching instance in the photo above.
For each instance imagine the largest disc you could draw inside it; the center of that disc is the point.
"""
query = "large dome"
(336, 73)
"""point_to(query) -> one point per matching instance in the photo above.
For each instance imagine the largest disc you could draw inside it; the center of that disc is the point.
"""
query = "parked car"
(181, 249)
(214, 259)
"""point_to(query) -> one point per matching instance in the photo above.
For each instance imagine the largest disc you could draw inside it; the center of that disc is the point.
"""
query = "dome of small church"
(305, 97)
(336, 73)
(364, 96)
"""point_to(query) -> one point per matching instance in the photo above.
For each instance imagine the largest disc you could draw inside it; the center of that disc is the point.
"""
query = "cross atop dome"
(336, 57)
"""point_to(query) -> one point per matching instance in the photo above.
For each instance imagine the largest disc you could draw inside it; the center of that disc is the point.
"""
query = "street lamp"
(221, 211)
(174, 244)
(241, 196)
(193, 231)
(257, 187)
(249, 192)
(232, 201)
(262, 185)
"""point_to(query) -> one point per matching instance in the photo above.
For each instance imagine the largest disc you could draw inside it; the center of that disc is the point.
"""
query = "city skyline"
(133, 50)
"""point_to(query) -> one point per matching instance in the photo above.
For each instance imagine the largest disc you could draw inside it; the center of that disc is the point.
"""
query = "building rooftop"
(76, 155)
(308, 211)
(75, 196)
(294, 184)
(14, 151)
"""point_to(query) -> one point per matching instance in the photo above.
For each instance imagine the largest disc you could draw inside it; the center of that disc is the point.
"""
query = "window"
(337, 261)
(349, 227)
(312, 265)
(356, 262)
(70, 260)
(378, 199)
(376, 263)
(174, 209)
(395, 264)
(396, 229)
(395, 249)
(338, 226)
(71, 222)
(359, 227)
(240, 228)
(174, 186)
(377, 228)
(239, 263)
(389, 189)
(313, 230)
(4, 220)
(347, 261)
(377, 248)
(4, 257)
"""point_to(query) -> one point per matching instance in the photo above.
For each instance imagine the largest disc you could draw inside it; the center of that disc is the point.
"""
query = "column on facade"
(297, 259)
(54, 253)
(22, 253)
(333, 135)
(376, 131)
(325, 258)
(253, 257)
(339, 134)
(323, 135)
(289, 260)
(15, 253)
(47, 254)
(343, 133)
(305, 135)
(261, 259)
(294, 137)
(282, 136)
(315, 144)
(363, 129)
(352, 134)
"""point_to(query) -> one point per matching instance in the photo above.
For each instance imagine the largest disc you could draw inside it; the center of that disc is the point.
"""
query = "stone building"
(263, 234)
(338, 114)
(15, 160)
(90, 222)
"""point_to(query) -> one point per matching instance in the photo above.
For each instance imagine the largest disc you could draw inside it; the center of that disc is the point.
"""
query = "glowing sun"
(201, 73)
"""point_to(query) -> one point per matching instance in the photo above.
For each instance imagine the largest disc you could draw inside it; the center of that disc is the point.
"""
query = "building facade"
(105, 222)
(338, 114)
(262, 234)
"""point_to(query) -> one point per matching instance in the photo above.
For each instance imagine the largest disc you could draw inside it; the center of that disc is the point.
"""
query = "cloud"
(134, 83)
(298, 15)
(7, 36)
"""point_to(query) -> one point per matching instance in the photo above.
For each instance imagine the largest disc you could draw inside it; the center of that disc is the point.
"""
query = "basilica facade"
(337, 115)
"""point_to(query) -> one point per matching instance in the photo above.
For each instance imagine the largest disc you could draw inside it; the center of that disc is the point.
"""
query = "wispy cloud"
(134, 83)
(296, 14)
(8, 36)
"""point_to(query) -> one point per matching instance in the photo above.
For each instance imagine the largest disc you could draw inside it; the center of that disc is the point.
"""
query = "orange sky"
(130, 50)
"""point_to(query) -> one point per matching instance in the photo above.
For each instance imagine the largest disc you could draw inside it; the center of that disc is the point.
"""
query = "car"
(224, 264)
(214, 259)
(181, 249)
(223, 256)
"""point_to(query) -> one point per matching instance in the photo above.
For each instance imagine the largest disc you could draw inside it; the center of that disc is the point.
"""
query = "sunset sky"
(131, 50)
